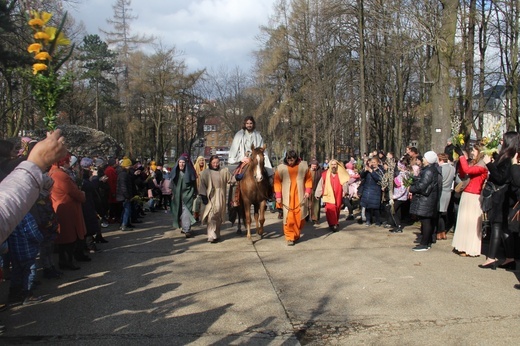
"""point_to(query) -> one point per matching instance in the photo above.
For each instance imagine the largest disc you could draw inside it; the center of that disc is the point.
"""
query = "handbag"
(513, 219)
(462, 185)
(486, 195)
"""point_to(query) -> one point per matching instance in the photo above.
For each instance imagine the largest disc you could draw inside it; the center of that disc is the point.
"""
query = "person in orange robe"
(292, 188)
(333, 186)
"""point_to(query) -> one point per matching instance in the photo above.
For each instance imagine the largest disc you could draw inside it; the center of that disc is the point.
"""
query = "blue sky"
(210, 33)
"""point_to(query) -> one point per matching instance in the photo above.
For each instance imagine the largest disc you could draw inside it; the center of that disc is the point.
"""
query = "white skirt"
(468, 232)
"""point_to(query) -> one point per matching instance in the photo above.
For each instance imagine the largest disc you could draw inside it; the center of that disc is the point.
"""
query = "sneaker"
(123, 228)
(387, 225)
(32, 300)
(290, 243)
(104, 224)
(368, 224)
(350, 217)
(397, 230)
(421, 248)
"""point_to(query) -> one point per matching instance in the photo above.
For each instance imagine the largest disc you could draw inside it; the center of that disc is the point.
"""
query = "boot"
(99, 238)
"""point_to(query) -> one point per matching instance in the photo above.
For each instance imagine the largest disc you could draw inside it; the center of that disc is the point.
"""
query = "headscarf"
(344, 177)
(189, 171)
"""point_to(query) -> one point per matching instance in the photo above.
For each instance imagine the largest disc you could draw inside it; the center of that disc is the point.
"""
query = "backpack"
(45, 217)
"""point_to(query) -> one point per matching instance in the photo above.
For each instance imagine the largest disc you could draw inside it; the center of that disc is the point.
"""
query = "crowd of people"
(58, 203)
(75, 199)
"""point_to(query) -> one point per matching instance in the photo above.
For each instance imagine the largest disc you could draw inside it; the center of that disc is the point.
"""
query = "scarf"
(328, 191)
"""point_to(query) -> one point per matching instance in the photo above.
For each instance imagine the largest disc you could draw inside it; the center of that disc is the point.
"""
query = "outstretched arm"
(20, 189)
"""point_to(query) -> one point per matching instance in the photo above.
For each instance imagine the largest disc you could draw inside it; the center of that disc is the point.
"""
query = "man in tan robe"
(213, 182)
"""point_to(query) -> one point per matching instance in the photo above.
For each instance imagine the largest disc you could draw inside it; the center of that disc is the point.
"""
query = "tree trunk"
(439, 74)
(469, 65)
(362, 105)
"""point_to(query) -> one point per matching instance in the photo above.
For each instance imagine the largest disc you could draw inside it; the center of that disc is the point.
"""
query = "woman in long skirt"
(467, 240)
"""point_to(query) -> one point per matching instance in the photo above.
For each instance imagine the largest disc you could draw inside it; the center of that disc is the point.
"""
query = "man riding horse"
(244, 140)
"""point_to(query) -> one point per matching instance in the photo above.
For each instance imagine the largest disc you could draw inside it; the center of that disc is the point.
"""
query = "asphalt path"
(361, 285)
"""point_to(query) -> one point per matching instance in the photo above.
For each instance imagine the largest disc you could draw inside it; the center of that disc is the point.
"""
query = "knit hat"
(73, 160)
(430, 156)
(111, 161)
(86, 163)
(99, 162)
(349, 165)
(126, 162)
(153, 166)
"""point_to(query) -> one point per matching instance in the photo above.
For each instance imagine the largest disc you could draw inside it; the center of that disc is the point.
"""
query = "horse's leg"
(239, 227)
(260, 229)
(248, 220)
(256, 220)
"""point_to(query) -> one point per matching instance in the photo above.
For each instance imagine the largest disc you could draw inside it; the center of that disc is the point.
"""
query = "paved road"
(362, 285)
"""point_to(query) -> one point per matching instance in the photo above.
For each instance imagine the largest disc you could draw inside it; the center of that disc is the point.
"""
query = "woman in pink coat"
(67, 199)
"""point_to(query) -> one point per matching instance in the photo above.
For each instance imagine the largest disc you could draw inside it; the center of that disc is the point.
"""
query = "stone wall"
(83, 141)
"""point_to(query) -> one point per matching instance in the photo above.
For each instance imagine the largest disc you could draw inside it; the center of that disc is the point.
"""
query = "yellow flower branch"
(47, 85)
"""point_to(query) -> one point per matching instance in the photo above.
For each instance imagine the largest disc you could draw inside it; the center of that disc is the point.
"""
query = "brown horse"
(255, 189)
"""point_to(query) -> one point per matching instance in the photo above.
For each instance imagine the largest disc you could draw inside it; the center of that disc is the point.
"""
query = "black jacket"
(426, 192)
(499, 174)
(125, 189)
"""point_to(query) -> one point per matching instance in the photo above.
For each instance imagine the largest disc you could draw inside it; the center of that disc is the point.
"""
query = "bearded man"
(292, 188)
(245, 138)
(333, 186)
(213, 182)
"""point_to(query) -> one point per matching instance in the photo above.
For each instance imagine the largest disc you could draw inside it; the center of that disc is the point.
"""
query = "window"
(210, 128)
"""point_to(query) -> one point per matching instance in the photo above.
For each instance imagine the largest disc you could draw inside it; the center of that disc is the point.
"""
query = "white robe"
(242, 145)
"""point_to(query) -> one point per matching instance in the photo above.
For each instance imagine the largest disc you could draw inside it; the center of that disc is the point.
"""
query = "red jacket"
(477, 176)
(111, 173)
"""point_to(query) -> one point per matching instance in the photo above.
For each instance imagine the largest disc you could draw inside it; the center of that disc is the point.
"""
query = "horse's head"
(257, 160)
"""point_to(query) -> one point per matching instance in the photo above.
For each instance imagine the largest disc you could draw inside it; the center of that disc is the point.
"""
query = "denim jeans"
(127, 211)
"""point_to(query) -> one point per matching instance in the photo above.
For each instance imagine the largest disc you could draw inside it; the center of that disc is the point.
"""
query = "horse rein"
(291, 209)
